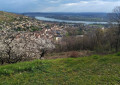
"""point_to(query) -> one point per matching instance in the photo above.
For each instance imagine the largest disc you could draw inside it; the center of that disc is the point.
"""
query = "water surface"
(68, 21)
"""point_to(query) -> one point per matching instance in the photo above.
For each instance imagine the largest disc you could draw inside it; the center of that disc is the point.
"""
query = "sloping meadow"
(92, 70)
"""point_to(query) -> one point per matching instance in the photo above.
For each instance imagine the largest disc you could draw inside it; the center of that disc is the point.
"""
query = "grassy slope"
(5, 16)
(93, 70)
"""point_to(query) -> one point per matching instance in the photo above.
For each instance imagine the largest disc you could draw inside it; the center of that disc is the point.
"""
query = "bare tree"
(115, 19)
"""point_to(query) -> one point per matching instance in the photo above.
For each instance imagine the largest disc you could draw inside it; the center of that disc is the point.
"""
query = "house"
(58, 38)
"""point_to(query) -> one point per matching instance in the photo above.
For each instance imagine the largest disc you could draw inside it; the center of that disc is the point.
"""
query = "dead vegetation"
(70, 54)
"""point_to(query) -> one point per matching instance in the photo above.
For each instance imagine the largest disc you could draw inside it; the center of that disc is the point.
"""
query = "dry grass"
(70, 54)
(73, 54)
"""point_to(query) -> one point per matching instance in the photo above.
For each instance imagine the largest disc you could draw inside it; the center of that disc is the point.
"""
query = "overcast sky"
(58, 5)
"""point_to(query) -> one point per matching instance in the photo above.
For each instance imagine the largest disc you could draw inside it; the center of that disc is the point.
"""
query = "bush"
(73, 54)
(118, 54)
(95, 56)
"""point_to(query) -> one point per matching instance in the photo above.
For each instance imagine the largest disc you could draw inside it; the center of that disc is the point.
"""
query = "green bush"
(118, 54)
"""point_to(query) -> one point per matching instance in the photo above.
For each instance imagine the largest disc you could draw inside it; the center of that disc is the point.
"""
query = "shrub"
(95, 56)
(118, 54)
(73, 54)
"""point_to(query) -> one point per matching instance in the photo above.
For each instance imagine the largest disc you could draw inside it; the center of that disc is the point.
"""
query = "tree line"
(99, 40)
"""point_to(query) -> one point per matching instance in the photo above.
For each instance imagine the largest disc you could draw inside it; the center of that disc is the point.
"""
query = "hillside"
(19, 22)
(93, 70)
(5, 16)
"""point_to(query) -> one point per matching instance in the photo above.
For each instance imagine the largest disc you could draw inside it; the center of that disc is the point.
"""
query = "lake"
(68, 21)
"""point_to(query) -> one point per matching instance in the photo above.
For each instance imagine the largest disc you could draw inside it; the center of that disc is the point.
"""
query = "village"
(35, 27)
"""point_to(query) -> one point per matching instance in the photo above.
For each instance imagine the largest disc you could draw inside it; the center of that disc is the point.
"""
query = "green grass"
(93, 70)
(7, 17)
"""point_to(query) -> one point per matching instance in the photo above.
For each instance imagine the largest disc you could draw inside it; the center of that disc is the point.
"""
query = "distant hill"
(71, 16)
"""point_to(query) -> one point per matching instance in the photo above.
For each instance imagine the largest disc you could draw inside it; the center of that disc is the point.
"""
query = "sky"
(20, 6)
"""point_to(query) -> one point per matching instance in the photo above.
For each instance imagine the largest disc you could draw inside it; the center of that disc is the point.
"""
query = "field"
(92, 70)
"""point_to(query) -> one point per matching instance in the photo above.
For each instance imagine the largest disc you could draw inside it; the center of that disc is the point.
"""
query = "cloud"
(75, 4)
(86, 6)
(18, 5)
(55, 1)
(58, 5)
(71, 4)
